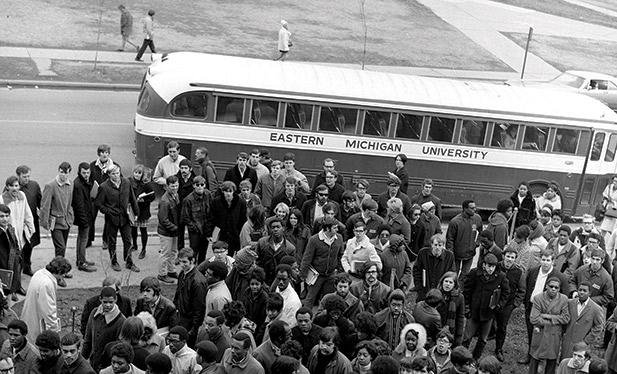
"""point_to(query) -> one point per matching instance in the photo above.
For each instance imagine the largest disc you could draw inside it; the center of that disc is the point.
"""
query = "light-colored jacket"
(40, 312)
(362, 252)
(21, 218)
(149, 29)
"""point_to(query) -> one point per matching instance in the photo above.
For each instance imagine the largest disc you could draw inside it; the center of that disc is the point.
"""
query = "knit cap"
(245, 258)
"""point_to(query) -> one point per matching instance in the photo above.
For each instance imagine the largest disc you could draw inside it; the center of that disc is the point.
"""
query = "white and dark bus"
(475, 140)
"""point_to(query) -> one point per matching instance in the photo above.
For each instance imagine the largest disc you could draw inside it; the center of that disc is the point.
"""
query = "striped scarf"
(451, 313)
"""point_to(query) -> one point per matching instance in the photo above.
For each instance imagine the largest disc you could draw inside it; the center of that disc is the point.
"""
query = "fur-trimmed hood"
(401, 347)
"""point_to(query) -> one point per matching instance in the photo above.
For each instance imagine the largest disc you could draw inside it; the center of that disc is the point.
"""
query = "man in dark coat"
(82, 209)
(195, 214)
(99, 170)
(486, 289)
(272, 248)
(228, 213)
(432, 263)
(306, 332)
(34, 196)
(74, 362)
(185, 188)
(123, 302)
(240, 171)
(487, 245)
(10, 255)
(427, 195)
(151, 301)
(313, 209)
(190, 297)
(291, 196)
(461, 237)
(114, 199)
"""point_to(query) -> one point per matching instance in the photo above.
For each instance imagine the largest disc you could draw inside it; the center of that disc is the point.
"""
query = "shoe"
(142, 254)
(133, 267)
(21, 291)
(524, 360)
(68, 276)
(116, 267)
(28, 271)
(89, 263)
(173, 275)
(139, 59)
(499, 355)
(14, 297)
(61, 282)
(166, 279)
(119, 50)
(87, 268)
(136, 49)
(105, 246)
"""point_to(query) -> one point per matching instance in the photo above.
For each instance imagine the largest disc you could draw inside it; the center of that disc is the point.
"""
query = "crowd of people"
(282, 276)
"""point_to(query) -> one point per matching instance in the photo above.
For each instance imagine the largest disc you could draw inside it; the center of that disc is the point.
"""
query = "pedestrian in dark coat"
(486, 289)
(103, 326)
(396, 267)
(82, 209)
(32, 190)
(427, 315)
(10, 254)
(524, 204)
(228, 213)
(241, 171)
(432, 263)
(114, 199)
(461, 237)
(195, 214)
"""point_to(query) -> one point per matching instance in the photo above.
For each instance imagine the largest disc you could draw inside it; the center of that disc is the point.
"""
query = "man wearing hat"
(430, 222)
(394, 185)
(487, 245)
(206, 357)
(486, 289)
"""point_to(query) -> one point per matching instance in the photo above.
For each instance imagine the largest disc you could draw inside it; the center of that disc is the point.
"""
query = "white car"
(599, 86)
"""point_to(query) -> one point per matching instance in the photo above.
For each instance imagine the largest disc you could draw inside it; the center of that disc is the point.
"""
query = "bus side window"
(376, 123)
(504, 135)
(441, 129)
(229, 109)
(596, 149)
(566, 141)
(409, 126)
(473, 132)
(192, 105)
(264, 113)
(298, 116)
(340, 120)
(610, 150)
(535, 138)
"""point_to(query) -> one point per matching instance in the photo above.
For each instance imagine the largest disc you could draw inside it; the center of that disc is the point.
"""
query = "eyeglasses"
(587, 223)
(323, 194)
(416, 215)
(199, 184)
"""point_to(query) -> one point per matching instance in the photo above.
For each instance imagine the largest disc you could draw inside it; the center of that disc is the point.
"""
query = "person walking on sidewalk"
(126, 28)
(34, 196)
(82, 209)
(115, 199)
(148, 36)
(57, 212)
(284, 40)
(169, 217)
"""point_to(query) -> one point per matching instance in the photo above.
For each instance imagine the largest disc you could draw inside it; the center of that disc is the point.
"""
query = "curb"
(70, 85)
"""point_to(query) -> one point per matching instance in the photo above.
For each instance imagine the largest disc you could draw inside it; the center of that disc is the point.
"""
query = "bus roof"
(195, 71)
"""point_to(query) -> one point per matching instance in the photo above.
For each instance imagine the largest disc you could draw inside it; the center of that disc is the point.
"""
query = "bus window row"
(377, 123)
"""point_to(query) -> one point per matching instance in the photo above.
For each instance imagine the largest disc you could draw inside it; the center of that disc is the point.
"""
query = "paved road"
(42, 128)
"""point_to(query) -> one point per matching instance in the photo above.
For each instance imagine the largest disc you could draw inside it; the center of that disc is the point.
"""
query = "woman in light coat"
(21, 215)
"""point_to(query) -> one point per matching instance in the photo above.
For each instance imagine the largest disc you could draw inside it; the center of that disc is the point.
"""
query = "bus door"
(601, 167)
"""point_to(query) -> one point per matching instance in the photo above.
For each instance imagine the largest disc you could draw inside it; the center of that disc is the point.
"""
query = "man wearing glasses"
(194, 215)
(312, 209)
(183, 359)
(549, 314)
(535, 284)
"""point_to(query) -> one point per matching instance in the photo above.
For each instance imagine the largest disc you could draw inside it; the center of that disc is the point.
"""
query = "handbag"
(610, 211)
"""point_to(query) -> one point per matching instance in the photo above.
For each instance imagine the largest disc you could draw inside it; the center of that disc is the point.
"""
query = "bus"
(474, 140)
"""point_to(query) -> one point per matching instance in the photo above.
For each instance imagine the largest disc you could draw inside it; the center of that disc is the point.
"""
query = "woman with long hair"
(140, 184)
(254, 228)
(452, 310)
(297, 232)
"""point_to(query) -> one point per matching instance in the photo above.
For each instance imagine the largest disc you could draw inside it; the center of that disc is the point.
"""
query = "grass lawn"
(400, 32)
(572, 53)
